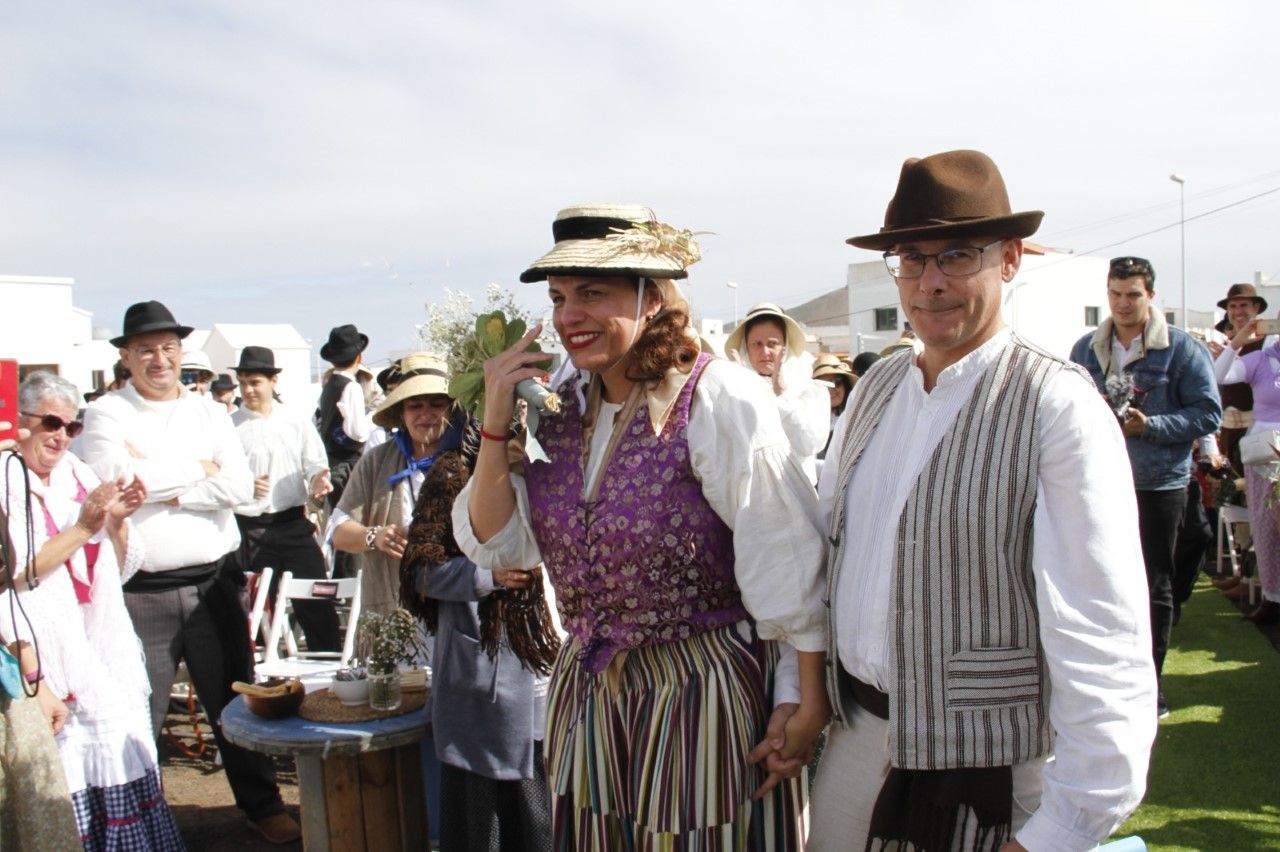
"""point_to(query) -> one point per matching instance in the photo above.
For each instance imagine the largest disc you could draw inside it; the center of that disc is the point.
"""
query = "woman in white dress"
(71, 532)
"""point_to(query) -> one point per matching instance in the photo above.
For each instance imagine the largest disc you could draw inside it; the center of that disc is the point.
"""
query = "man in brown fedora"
(985, 590)
(1242, 305)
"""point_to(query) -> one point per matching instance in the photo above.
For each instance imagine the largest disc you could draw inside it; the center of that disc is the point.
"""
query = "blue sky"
(326, 162)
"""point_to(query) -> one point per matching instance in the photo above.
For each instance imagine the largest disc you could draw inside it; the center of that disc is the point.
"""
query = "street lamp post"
(734, 287)
(1181, 181)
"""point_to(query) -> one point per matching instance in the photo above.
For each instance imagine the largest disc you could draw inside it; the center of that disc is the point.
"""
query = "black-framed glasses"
(52, 423)
(1127, 267)
(954, 262)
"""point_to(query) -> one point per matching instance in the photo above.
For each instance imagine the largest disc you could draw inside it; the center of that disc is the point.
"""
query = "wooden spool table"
(359, 783)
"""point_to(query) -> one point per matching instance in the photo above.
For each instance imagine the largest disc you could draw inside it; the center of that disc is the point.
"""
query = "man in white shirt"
(289, 468)
(185, 602)
(987, 606)
(343, 419)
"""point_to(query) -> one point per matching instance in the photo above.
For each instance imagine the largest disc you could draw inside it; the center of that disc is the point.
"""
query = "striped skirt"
(654, 759)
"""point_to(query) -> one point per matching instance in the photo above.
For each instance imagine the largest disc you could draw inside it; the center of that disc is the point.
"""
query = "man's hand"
(261, 486)
(321, 486)
(1135, 423)
(210, 468)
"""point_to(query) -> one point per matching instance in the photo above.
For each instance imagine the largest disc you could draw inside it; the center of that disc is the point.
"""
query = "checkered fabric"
(129, 817)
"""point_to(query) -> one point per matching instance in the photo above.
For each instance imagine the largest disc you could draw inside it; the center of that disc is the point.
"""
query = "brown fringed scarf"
(518, 617)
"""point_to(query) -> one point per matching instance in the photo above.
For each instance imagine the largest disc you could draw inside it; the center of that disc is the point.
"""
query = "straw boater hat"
(794, 332)
(828, 365)
(1244, 291)
(615, 239)
(953, 194)
(421, 374)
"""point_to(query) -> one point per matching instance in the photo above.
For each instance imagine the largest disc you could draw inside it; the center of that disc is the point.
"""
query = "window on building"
(99, 379)
(886, 319)
(25, 370)
(1168, 317)
(1092, 315)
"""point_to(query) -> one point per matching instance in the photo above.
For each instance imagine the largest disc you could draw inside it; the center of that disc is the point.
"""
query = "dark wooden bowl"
(277, 706)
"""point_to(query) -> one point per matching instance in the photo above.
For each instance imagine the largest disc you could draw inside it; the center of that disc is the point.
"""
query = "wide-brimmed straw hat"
(953, 194)
(615, 239)
(829, 365)
(794, 331)
(421, 374)
(146, 317)
(1244, 291)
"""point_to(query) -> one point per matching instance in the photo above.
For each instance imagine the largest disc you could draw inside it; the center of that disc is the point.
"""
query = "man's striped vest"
(968, 685)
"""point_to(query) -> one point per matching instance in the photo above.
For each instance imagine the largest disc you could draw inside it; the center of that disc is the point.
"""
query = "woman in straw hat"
(772, 344)
(494, 639)
(836, 374)
(676, 525)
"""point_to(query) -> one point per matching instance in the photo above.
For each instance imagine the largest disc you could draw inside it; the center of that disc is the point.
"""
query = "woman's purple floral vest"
(649, 561)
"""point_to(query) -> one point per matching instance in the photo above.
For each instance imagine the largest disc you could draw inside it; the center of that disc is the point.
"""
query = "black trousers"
(286, 542)
(1160, 518)
(1193, 546)
(186, 623)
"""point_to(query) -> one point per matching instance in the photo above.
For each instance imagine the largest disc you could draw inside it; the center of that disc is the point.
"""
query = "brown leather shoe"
(1237, 593)
(1267, 613)
(278, 828)
(1225, 583)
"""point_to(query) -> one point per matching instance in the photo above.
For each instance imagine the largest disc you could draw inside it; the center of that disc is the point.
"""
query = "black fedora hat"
(345, 343)
(257, 359)
(953, 194)
(146, 317)
(224, 382)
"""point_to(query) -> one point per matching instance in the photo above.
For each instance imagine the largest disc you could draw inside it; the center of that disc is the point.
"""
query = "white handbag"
(1260, 448)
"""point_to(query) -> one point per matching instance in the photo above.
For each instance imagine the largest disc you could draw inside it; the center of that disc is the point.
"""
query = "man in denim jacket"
(1172, 401)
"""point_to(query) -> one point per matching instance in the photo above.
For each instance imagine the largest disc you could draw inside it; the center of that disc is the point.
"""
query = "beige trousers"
(852, 770)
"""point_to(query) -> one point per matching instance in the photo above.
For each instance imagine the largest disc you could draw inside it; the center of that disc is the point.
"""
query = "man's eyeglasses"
(168, 350)
(955, 262)
(52, 423)
(1127, 267)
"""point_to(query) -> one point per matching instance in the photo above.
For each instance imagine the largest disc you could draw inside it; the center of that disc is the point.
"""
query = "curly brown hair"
(665, 341)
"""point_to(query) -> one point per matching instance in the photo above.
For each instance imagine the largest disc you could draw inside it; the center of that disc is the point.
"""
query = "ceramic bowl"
(352, 693)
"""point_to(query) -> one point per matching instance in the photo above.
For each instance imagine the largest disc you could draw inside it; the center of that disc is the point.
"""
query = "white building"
(42, 329)
(1055, 299)
(224, 341)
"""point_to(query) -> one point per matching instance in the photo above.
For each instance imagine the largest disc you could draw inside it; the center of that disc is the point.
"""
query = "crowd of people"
(960, 563)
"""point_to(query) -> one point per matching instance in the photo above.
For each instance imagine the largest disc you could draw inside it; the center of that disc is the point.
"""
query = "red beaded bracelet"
(492, 437)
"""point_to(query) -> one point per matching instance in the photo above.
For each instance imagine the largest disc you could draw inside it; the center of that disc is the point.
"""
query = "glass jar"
(384, 689)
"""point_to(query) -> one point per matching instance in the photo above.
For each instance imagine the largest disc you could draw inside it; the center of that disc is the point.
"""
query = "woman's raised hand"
(1246, 335)
(502, 373)
(97, 507)
(128, 499)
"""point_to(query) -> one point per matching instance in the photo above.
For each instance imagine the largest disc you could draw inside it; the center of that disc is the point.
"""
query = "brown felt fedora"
(953, 194)
(1243, 291)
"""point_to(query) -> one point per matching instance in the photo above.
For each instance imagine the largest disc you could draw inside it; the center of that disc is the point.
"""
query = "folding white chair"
(296, 663)
(1228, 517)
(259, 583)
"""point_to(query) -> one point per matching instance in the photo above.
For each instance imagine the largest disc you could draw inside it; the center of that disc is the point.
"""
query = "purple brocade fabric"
(649, 561)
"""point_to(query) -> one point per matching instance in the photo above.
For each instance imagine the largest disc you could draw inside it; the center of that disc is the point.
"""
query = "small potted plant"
(386, 641)
(350, 685)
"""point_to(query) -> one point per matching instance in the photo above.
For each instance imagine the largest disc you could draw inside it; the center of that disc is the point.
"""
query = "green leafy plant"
(387, 640)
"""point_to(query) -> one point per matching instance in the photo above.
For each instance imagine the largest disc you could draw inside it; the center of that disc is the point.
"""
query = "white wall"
(40, 325)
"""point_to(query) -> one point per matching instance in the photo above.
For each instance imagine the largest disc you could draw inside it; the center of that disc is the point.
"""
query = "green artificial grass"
(1215, 769)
